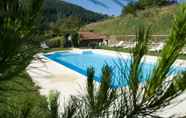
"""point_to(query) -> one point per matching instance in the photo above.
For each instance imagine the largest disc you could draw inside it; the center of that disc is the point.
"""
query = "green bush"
(55, 42)
(130, 9)
(74, 39)
(133, 6)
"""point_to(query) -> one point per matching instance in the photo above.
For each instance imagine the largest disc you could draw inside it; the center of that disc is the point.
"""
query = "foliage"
(20, 99)
(55, 42)
(20, 38)
(149, 3)
(179, 82)
(133, 6)
(19, 35)
(71, 39)
(54, 49)
(75, 39)
(57, 10)
(171, 50)
(53, 104)
(65, 25)
(97, 100)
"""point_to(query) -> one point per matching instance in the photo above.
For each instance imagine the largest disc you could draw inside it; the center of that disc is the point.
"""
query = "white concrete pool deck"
(50, 75)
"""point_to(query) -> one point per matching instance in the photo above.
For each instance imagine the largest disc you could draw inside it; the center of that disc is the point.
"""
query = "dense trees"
(55, 10)
(61, 18)
(19, 35)
(133, 6)
(68, 24)
(148, 3)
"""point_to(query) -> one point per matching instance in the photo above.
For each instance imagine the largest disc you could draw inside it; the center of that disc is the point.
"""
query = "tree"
(20, 38)
(68, 24)
(149, 3)
(133, 6)
(58, 10)
(19, 35)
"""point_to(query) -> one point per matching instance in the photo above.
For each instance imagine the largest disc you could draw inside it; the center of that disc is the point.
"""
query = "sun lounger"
(120, 44)
(44, 45)
(183, 51)
(132, 45)
(158, 48)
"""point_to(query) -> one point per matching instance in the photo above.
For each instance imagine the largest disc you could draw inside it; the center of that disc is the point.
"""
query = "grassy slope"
(159, 18)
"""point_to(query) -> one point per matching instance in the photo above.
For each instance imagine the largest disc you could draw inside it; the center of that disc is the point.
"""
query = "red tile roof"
(91, 36)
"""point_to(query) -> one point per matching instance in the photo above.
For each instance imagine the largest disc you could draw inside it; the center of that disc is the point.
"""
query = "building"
(92, 39)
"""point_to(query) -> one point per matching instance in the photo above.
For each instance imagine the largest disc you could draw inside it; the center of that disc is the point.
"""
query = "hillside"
(159, 18)
(56, 10)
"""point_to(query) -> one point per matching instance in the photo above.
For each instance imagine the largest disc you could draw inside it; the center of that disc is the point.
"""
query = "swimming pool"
(79, 61)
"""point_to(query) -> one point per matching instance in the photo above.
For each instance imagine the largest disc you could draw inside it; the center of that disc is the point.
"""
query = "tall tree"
(19, 35)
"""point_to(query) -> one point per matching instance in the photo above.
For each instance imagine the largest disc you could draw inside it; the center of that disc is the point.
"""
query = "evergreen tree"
(19, 35)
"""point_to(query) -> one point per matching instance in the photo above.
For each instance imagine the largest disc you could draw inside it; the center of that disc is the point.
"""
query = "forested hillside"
(55, 10)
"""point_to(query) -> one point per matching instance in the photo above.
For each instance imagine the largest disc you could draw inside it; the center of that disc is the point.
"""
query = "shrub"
(149, 3)
(131, 8)
(75, 39)
(55, 42)
(53, 103)
(92, 45)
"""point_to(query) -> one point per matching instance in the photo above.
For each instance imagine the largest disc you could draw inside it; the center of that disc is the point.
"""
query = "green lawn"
(54, 49)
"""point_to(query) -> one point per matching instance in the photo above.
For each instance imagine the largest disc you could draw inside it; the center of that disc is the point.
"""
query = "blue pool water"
(79, 62)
